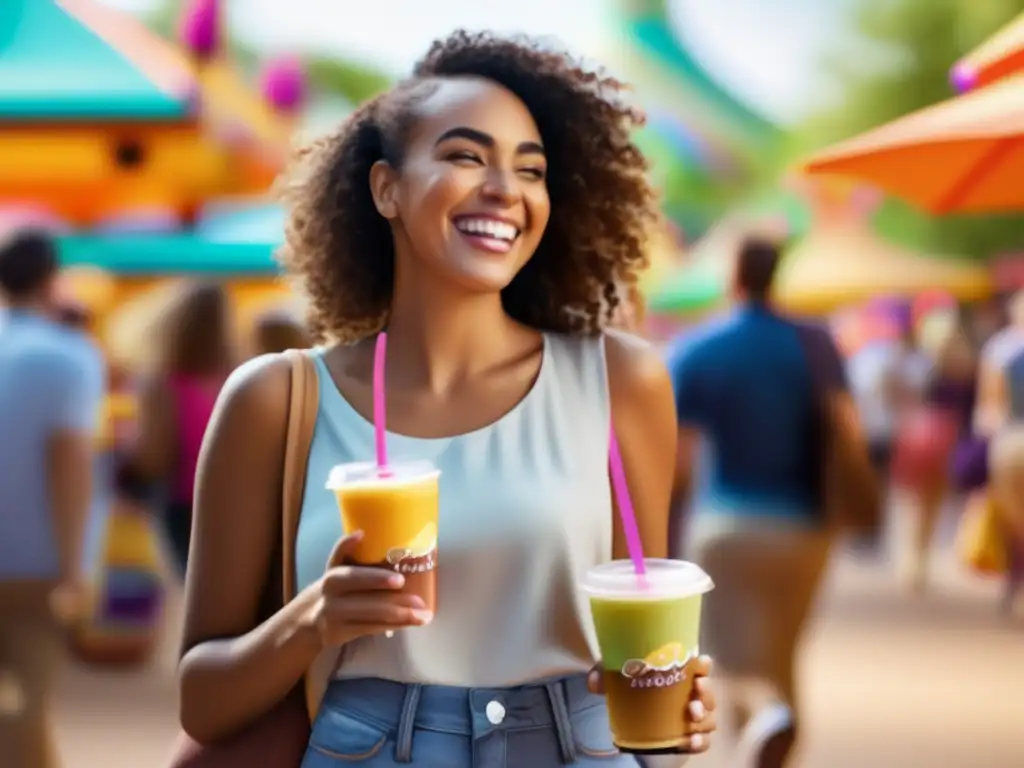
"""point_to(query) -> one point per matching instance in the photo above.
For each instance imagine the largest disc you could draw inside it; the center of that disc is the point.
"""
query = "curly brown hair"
(340, 248)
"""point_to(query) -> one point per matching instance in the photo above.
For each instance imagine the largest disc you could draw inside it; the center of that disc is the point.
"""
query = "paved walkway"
(890, 682)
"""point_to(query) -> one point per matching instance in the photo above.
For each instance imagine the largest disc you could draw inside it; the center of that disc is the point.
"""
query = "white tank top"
(525, 510)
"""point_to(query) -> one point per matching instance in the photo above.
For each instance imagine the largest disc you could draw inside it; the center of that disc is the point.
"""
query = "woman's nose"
(500, 185)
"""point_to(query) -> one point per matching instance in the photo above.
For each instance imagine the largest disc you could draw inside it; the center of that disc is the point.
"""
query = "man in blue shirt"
(745, 399)
(51, 391)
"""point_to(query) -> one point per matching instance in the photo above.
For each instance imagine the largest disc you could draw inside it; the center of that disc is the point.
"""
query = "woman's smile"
(493, 234)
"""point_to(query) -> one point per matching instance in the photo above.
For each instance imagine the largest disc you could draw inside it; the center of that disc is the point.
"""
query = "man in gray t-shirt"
(51, 392)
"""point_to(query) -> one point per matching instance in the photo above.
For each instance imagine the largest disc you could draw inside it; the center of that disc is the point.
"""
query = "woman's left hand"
(700, 712)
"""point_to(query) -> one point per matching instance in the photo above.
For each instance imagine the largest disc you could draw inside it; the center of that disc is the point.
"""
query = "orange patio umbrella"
(999, 56)
(965, 154)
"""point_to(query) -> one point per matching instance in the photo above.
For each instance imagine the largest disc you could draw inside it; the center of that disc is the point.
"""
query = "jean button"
(495, 712)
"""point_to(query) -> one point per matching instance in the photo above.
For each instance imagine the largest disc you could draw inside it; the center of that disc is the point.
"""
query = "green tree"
(897, 61)
(354, 80)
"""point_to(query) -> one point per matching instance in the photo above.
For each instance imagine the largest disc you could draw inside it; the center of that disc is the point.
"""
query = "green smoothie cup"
(648, 632)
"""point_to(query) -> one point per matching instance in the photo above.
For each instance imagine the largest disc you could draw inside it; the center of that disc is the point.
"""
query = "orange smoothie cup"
(397, 511)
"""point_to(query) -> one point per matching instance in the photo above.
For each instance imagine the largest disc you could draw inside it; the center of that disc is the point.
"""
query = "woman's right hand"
(357, 601)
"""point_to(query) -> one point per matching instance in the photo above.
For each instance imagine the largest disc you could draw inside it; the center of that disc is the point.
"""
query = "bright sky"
(766, 56)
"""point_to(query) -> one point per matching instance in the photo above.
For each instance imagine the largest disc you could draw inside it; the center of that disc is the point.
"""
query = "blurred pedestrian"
(51, 391)
(887, 379)
(194, 353)
(748, 386)
(928, 435)
(1001, 418)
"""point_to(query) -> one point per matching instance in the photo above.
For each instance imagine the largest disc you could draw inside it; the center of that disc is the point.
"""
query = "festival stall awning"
(842, 266)
(78, 60)
(829, 269)
(698, 286)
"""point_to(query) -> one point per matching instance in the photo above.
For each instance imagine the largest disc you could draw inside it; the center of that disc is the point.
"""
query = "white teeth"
(499, 230)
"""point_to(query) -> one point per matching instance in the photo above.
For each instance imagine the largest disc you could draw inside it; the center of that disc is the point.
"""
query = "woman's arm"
(644, 418)
(234, 669)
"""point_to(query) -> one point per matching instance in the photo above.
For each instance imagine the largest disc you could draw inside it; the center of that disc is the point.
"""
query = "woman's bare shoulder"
(636, 371)
(257, 390)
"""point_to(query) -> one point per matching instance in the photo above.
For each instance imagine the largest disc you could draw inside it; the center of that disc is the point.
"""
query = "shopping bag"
(981, 540)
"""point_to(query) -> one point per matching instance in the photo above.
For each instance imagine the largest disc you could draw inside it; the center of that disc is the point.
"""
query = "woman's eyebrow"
(486, 140)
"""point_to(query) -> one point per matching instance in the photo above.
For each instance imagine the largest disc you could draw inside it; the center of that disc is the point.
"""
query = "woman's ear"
(384, 189)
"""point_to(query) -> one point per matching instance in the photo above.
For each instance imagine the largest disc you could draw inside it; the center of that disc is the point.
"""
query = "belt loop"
(563, 727)
(403, 742)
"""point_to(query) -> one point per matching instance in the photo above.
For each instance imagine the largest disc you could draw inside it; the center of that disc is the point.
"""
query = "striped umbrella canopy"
(999, 56)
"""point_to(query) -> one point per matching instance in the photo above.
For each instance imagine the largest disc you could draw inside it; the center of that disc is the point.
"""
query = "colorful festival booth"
(149, 160)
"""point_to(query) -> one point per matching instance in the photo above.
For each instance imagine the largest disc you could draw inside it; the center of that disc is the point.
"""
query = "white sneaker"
(769, 737)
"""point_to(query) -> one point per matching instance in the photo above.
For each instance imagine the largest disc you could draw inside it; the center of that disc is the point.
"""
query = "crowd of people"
(487, 213)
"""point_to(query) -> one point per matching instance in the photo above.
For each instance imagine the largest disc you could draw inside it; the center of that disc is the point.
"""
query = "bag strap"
(302, 411)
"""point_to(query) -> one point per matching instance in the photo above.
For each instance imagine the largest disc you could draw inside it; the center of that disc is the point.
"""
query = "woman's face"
(470, 201)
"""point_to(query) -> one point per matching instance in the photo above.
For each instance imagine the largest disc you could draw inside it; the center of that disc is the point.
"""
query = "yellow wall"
(73, 169)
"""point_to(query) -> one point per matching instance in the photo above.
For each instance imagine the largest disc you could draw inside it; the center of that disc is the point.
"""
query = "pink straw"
(626, 513)
(379, 420)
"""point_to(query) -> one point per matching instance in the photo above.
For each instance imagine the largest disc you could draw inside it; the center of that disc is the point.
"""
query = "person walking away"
(195, 353)
(887, 379)
(51, 392)
(746, 386)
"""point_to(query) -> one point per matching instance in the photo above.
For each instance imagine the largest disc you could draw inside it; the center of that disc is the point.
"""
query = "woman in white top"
(485, 211)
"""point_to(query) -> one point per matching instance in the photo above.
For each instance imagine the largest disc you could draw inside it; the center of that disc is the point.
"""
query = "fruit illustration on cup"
(418, 554)
(662, 667)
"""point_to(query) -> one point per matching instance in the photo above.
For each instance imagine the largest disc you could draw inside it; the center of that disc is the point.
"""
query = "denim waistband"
(471, 712)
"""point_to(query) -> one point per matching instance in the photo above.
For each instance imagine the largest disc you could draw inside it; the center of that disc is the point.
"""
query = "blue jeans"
(383, 724)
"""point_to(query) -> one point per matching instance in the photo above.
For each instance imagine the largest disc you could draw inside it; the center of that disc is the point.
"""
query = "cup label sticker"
(662, 668)
(419, 555)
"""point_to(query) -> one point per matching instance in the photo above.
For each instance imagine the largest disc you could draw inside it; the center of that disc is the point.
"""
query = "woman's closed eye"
(464, 157)
(467, 158)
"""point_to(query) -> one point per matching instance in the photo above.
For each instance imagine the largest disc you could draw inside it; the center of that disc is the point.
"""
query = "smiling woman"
(578, 157)
(490, 212)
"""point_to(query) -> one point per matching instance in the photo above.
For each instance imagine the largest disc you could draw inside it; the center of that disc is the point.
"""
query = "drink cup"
(648, 634)
(397, 511)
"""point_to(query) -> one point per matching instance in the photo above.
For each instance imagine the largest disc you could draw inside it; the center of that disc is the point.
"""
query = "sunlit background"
(740, 94)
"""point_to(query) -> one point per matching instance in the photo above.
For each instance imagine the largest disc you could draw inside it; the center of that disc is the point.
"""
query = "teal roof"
(232, 242)
(52, 67)
(141, 255)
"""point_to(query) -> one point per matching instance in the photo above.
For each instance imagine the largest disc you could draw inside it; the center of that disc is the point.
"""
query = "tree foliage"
(897, 60)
